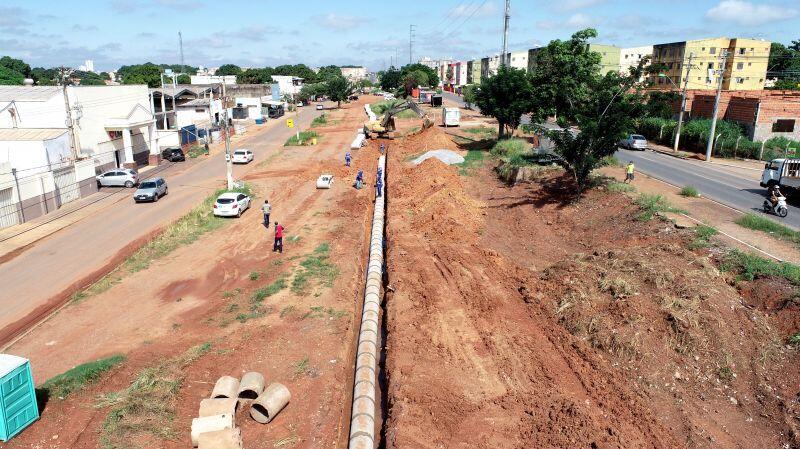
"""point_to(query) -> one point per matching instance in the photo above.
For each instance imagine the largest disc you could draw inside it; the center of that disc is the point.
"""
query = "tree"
(184, 79)
(327, 72)
(312, 91)
(147, 73)
(784, 64)
(787, 84)
(432, 79)
(10, 77)
(448, 76)
(255, 76)
(228, 69)
(16, 65)
(44, 77)
(470, 92)
(339, 89)
(661, 104)
(412, 80)
(594, 112)
(88, 78)
(298, 70)
(505, 96)
(390, 79)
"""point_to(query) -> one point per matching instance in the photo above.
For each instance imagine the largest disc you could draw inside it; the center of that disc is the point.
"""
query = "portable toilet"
(451, 117)
(18, 408)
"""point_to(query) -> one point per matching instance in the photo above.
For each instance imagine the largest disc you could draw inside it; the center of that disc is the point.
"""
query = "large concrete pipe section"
(362, 418)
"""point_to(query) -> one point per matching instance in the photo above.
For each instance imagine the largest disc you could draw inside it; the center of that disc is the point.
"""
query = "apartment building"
(745, 68)
(518, 59)
(609, 57)
(476, 71)
(630, 57)
(354, 73)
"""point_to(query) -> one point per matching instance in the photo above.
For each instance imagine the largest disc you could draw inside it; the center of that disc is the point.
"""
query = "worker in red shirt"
(278, 246)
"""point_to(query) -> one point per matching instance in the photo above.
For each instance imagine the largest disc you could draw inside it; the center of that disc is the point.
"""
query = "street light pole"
(228, 155)
(710, 145)
(505, 33)
(683, 104)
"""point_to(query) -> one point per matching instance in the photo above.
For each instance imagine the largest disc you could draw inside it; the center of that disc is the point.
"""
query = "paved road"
(734, 187)
(56, 263)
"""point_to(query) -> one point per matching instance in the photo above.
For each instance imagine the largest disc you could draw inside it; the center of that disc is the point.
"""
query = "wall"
(212, 79)
(630, 57)
(518, 60)
(609, 57)
(50, 113)
(747, 64)
(476, 71)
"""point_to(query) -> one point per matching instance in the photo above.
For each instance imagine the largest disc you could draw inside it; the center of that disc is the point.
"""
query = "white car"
(320, 106)
(325, 182)
(231, 204)
(242, 156)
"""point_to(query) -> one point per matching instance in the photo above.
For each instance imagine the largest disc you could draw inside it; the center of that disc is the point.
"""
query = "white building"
(288, 85)
(88, 66)
(354, 74)
(213, 79)
(428, 62)
(518, 60)
(53, 139)
(630, 57)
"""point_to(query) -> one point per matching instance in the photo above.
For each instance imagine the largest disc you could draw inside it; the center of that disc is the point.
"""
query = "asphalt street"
(57, 262)
(732, 186)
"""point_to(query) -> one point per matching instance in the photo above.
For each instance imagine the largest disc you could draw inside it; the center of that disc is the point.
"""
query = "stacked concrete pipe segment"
(362, 418)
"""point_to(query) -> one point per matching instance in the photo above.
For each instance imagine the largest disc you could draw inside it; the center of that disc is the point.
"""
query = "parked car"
(325, 182)
(320, 106)
(119, 177)
(242, 156)
(634, 142)
(173, 155)
(231, 204)
(150, 190)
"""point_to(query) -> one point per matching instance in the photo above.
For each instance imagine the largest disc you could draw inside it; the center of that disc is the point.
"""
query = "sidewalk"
(15, 238)
(747, 164)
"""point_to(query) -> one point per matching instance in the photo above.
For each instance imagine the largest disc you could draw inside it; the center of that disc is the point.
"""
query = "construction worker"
(359, 179)
(266, 209)
(629, 172)
(383, 147)
(378, 187)
(347, 158)
(278, 245)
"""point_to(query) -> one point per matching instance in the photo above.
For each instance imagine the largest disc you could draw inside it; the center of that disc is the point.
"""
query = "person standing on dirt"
(629, 172)
(266, 209)
(378, 187)
(359, 179)
(278, 245)
(383, 147)
(347, 159)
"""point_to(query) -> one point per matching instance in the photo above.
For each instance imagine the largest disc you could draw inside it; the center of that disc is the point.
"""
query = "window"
(741, 51)
(783, 126)
(739, 80)
(712, 50)
(199, 111)
(749, 64)
(739, 65)
(113, 135)
(703, 49)
(710, 65)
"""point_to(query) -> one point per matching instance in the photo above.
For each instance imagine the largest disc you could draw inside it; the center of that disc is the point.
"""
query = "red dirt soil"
(518, 317)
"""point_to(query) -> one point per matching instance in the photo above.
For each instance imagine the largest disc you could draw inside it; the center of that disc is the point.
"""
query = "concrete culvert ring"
(270, 403)
(226, 387)
(251, 386)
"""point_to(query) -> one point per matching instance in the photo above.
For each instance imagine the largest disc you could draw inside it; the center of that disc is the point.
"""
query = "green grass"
(319, 121)
(482, 131)
(305, 139)
(510, 147)
(263, 293)
(794, 339)
(301, 367)
(197, 150)
(703, 234)
(653, 204)
(472, 160)
(382, 106)
(75, 379)
(689, 192)
(186, 230)
(619, 187)
(254, 275)
(749, 267)
(609, 161)
(315, 266)
(145, 410)
(759, 223)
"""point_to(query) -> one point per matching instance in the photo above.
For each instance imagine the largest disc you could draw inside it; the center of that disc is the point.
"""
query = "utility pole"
(180, 43)
(505, 33)
(683, 104)
(411, 44)
(710, 146)
(228, 156)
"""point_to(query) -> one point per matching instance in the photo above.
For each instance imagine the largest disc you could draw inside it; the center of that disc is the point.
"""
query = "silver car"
(150, 190)
(634, 142)
(119, 177)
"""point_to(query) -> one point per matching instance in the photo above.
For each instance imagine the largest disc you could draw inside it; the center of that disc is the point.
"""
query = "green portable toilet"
(18, 407)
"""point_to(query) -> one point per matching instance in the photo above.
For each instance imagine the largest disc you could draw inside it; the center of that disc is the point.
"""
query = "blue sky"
(267, 32)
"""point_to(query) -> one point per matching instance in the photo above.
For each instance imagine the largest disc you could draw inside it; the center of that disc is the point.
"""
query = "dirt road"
(45, 273)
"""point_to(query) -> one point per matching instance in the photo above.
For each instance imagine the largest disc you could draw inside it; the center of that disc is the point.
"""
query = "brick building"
(764, 113)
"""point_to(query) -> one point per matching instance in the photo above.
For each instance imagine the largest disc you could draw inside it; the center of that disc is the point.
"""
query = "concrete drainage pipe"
(221, 439)
(251, 386)
(362, 421)
(226, 387)
(210, 424)
(221, 406)
(270, 403)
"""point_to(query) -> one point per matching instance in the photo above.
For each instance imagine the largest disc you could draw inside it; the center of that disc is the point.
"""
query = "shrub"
(609, 161)
(759, 223)
(509, 147)
(689, 191)
(703, 234)
(75, 379)
(749, 267)
(651, 127)
(305, 139)
(652, 205)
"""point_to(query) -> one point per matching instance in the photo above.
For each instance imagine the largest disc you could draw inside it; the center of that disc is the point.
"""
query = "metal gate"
(8, 208)
(66, 188)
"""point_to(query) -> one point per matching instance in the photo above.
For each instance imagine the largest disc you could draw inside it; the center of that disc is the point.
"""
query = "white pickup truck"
(783, 172)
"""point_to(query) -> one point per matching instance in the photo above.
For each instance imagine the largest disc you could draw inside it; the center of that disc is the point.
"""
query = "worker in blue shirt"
(383, 147)
(347, 159)
(359, 179)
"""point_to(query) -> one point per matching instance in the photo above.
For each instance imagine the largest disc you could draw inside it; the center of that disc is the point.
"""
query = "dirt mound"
(561, 323)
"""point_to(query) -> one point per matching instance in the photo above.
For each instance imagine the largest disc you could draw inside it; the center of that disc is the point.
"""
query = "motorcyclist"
(774, 194)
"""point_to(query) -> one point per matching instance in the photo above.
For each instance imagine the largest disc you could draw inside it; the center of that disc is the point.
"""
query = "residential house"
(745, 68)
(287, 85)
(609, 57)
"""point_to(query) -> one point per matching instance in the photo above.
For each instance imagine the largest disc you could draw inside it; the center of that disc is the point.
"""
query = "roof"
(9, 363)
(229, 195)
(196, 102)
(28, 93)
(30, 134)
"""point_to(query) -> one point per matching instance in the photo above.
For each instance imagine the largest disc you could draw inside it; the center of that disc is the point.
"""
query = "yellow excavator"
(384, 126)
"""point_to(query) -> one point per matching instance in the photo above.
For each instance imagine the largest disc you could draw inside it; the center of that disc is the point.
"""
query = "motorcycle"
(779, 209)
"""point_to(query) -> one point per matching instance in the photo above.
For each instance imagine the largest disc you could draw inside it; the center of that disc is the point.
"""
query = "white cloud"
(572, 5)
(480, 10)
(337, 21)
(580, 20)
(749, 14)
